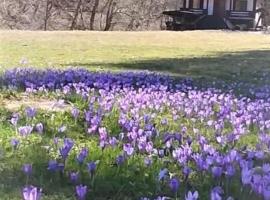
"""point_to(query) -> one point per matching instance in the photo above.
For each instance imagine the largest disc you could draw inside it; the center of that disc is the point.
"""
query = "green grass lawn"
(209, 54)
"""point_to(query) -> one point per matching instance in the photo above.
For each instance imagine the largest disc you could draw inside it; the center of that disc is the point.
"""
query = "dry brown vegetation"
(128, 15)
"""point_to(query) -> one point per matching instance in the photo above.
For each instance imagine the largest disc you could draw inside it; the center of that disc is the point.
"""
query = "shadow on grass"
(225, 66)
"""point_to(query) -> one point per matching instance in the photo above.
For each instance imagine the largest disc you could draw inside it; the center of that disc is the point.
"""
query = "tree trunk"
(48, 8)
(74, 21)
(109, 16)
(93, 15)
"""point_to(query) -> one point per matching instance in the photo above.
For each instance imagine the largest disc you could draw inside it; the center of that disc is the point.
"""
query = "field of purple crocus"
(133, 135)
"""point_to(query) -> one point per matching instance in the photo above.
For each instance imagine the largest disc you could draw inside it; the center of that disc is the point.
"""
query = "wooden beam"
(190, 3)
(234, 4)
(201, 4)
(254, 5)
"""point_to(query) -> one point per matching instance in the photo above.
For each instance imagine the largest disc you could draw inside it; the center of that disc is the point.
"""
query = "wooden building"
(214, 14)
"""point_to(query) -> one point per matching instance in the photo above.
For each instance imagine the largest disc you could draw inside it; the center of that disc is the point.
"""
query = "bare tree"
(47, 13)
(83, 14)
(93, 14)
(110, 14)
(76, 13)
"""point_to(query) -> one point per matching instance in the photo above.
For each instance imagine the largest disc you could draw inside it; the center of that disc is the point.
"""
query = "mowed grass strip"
(217, 54)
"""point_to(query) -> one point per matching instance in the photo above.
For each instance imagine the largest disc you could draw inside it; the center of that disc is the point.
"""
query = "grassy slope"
(196, 53)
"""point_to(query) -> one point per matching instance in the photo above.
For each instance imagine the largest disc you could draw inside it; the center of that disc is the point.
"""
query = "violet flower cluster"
(201, 132)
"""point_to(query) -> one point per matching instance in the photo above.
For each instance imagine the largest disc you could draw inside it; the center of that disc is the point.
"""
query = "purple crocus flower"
(52, 165)
(74, 177)
(164, 121)
(82, 155)
(246, 176)
(259, 154)
(31, 193)
(174, 184)
(27, 169)
(39, 128)
(216, 171)
(216, 193)
(162, 174)
(102, 144)
(75, 112)
(266, 193)
(119, 160)
(102, 134)
(56, 140)
(81, 192)
(167, 137)
(128, 149)
(64, 151)
(186, 170)
(62, 129)
(149, 147)
(30, 112)
(246, 164)
(113, 141)
(91, 166)
(148, 161)
(61, 167)
(14, 120)
(14, 143)
(230, 170)
(266, 168)
(162, 198)
(25, 130)
(161, 153)
(192, 196)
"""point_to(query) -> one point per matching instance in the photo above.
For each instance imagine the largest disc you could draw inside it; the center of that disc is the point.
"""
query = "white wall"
(227, 5)
(250, 5)
(187, 4)
(259, 3)
(211, 7)
(180, 4)
(196, 3)
(205, 4)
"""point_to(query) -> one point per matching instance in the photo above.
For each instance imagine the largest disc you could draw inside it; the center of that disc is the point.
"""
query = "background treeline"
(128, 15)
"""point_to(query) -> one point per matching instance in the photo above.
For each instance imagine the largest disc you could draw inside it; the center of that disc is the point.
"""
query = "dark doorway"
(219, 8)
